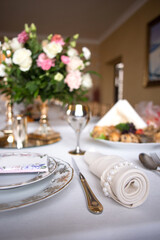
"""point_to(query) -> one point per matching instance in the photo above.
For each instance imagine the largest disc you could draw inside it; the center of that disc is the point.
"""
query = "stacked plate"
(23, 189)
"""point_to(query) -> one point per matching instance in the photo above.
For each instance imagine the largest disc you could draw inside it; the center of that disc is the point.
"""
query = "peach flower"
(58, 39)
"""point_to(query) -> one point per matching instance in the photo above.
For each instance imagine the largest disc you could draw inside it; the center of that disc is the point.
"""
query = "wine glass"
(77, 116)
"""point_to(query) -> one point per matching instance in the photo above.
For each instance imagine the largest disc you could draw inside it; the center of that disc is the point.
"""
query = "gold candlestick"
(44, 132)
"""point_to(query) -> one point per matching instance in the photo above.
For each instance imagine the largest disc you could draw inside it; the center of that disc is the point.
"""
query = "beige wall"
(130, 43)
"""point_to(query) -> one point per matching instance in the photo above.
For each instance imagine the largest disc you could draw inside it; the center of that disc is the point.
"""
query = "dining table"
(64, 215)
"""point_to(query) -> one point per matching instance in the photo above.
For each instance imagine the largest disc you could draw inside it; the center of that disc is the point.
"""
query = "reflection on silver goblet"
(78, 116)
(20, 130)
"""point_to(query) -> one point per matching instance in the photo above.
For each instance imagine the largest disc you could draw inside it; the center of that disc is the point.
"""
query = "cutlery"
(148, 162)
(155, 158)
(93, 204)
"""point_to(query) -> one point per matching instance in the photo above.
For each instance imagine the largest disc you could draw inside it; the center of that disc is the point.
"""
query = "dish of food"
(126, 133)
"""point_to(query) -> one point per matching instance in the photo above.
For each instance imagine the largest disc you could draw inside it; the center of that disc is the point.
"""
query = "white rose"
(22, 57)
(15, 44)
(8, 61)
(87, 53)
(2, 70)
(26, 64)
(58, 77)
(75, 64)
(72, 52)
(52, 49)
(86, 81)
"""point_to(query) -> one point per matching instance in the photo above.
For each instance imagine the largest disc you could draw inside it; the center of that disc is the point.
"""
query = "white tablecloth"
(65, 215)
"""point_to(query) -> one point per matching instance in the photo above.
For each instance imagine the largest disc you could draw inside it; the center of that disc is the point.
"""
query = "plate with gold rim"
(31, 194)
(13, 180)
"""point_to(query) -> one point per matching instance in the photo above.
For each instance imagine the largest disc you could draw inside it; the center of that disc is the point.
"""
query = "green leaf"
(122, 127)
(95, 73)
(67, 39)
(101, 136)
(32, 87)
(36, 93)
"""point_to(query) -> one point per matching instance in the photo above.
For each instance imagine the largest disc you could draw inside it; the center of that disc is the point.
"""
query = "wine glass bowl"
(77, 115)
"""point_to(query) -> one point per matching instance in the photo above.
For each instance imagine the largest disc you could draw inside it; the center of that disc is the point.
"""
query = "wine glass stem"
(78, 142)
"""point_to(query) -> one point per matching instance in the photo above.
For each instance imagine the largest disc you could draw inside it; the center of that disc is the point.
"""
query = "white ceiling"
(94, 20)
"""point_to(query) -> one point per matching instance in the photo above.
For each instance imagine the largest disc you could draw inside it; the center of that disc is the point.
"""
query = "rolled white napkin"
(122, 112)
(120, 180)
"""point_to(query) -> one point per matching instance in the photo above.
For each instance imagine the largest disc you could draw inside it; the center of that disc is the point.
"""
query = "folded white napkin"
(120, 180)
(122, 112)
(19, 164)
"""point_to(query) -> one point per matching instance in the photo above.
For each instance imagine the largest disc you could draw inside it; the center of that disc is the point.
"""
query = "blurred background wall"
(129, 44)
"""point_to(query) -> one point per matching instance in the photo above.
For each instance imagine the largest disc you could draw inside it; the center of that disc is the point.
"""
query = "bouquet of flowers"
(50, 69)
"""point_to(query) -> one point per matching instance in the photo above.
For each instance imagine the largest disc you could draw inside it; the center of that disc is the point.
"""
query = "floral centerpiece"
(50, 69)
(53, 68)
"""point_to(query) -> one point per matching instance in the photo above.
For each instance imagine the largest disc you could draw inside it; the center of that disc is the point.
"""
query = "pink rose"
(73, 80)
(58, 39)
(65, 59)
(44, 62)
(23, 37)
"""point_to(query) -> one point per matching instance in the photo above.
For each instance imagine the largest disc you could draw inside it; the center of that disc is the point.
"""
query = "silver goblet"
(77, 116)
(20, 130)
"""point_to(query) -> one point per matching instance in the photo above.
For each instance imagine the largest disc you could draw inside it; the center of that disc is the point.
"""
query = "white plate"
(11, 180)
(127, 145)
(31, 194)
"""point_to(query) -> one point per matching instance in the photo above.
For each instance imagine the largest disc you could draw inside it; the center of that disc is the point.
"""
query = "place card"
(25, 164)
